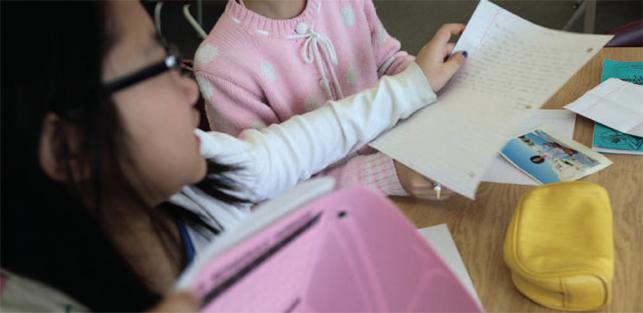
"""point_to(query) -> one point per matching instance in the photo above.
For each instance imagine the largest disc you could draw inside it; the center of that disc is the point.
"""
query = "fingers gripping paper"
(514, 66)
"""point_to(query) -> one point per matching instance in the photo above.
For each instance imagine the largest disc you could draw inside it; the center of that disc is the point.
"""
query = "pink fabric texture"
(252, 72)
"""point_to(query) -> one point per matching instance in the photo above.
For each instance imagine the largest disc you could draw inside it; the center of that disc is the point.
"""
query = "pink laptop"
(318, 251)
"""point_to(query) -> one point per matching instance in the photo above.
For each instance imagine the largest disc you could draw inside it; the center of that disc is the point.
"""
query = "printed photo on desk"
(549, 158)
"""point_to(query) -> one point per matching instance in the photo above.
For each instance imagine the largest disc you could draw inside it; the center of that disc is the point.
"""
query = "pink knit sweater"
(254, 71)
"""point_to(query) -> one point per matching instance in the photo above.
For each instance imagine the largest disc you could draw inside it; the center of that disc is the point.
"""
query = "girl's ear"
(59, 152)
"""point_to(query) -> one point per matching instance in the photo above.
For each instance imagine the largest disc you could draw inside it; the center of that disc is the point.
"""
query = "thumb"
(454, 63)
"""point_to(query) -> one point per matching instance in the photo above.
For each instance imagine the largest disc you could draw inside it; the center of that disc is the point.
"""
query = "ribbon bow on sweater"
(316, 44)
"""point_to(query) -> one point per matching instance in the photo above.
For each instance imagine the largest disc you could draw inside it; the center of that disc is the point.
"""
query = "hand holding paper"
(513, 66)
(431, 57)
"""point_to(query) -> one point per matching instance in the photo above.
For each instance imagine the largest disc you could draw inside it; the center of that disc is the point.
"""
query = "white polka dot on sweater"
(206, 53)
(205, 87)
(351, 76)
(268, 72)
(347, 16)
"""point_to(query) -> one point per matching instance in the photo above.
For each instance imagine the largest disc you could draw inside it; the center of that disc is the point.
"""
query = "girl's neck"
(276, 9)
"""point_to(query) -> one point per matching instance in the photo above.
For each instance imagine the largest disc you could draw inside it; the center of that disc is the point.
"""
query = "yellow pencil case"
(560, 247)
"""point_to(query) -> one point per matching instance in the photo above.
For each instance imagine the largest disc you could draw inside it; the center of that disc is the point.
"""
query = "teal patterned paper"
(627, 71)
(608, 138)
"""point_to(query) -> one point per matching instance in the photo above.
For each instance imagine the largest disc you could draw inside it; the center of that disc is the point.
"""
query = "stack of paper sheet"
(514, 66)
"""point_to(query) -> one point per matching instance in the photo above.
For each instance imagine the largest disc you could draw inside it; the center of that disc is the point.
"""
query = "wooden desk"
(478, 227)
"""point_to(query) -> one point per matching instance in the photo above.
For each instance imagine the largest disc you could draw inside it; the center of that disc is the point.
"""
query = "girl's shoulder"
(219, 53)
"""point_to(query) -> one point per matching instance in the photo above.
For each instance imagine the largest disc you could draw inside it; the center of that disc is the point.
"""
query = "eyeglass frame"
(171, 62)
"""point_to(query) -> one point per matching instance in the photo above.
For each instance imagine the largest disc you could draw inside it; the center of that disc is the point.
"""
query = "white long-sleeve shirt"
(276, 158)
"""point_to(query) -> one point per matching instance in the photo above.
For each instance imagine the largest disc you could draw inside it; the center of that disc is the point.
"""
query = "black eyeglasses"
(171, 62)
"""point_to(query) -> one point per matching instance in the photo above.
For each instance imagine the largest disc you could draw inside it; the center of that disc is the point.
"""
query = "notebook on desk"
(348, 250)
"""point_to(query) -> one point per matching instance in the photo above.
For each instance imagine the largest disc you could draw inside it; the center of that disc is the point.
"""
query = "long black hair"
(52, 56)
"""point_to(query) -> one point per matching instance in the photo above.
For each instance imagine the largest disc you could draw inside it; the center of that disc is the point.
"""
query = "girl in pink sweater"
(266, 61)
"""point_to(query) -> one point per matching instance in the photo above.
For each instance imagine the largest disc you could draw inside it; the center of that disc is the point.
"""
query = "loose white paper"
(614, 103)
(440, 239)
(560, 121)
(514, 66)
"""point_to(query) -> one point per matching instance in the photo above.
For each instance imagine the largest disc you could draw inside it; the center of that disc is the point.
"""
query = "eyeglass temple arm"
(129, 80)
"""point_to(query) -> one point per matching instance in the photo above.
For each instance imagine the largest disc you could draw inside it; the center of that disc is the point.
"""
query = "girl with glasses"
(98, 136)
